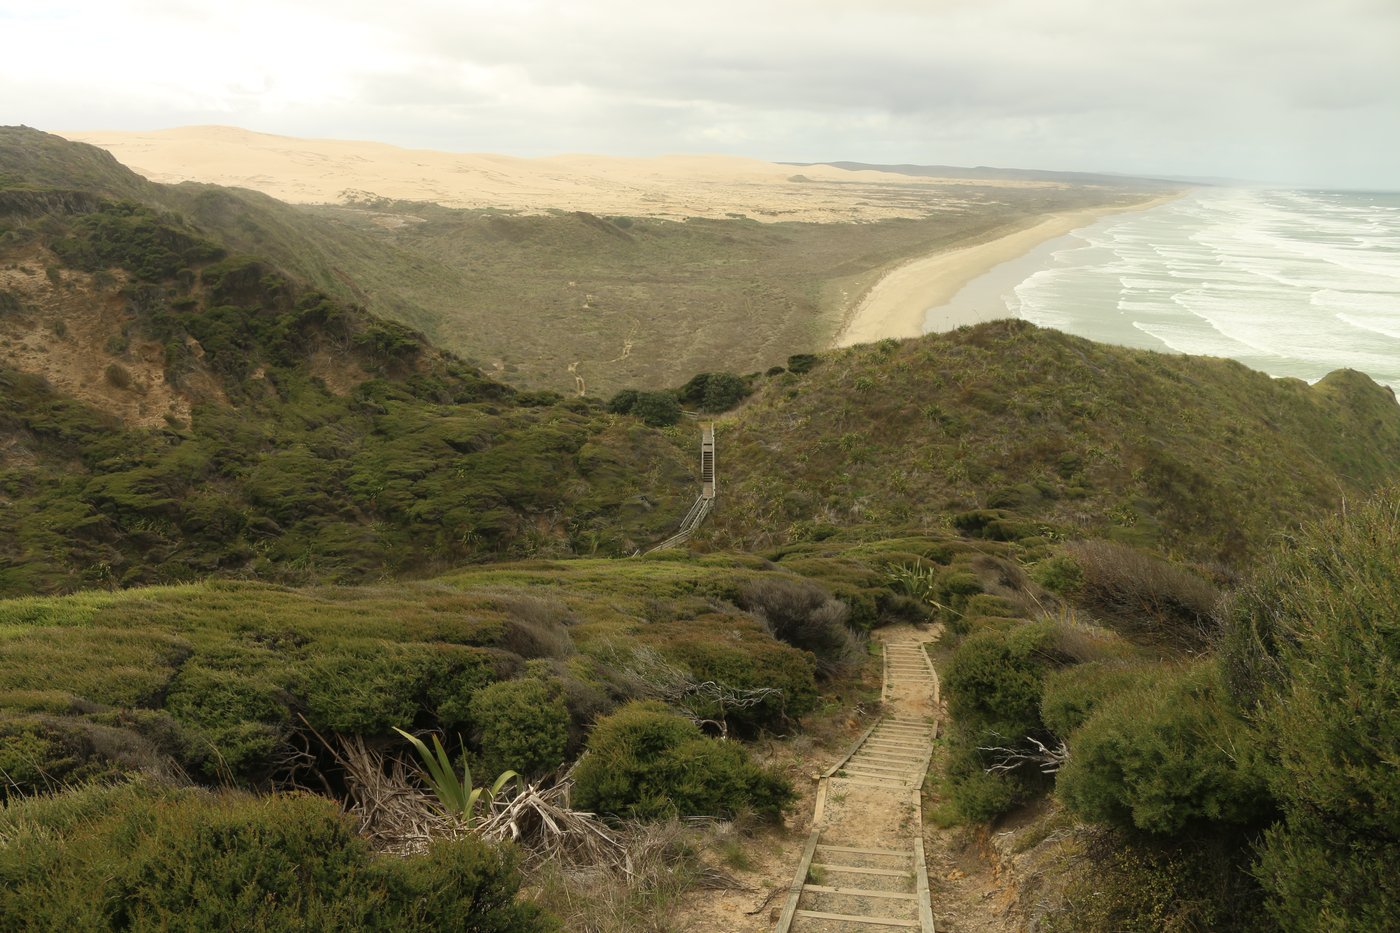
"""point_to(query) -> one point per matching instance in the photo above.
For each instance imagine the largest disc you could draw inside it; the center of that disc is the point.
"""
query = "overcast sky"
(1292, 91)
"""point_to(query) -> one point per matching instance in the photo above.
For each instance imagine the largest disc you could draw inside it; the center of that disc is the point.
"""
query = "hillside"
(1011, 431)
(249, 528)
(625, 272)
(172, 409)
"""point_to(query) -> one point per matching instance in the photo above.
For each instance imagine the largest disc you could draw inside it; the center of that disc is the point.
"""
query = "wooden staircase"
(705, 502)
(863, 867)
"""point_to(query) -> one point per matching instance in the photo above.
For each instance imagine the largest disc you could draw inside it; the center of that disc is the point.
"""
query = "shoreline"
(897, 305)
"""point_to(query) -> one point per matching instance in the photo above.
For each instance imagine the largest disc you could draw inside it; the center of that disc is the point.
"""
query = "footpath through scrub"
(863, 867)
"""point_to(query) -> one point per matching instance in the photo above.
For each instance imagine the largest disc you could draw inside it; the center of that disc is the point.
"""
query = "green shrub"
(522, 725)
(737, 655)
(979, 796)
(1166, 757)
(42, 753)
(713, 392)
(1072, 695)
(657, 409)
(243, 719)
(993, 685)
(802, 362)
(1135, 883)
(1313, 650)
(995, 679)
(624, 401)
(1060, 574)
(645, 762)
(118, 376)
(144, 857)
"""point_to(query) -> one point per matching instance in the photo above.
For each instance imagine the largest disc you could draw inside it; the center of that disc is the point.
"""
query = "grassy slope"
(1197, 455)
(214, 674)
(647, 302)
(525, 297)
(413, 461)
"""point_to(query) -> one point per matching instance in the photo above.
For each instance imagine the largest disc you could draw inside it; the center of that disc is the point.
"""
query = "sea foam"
(1295, 283)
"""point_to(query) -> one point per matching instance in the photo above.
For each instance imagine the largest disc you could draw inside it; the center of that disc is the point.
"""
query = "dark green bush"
(1059, 574)
(713, 392)
(522, 725)
(145, 857)
(1134, 883)
(645, 762)
(657, 409)
(736, 654)
(40, 753)
(977, 795)
(802, 362)
(1072, 695)
(242, 718)
(995, 679)
(993, 685)
(623, 402)
(1167, 757)
(1313, 650)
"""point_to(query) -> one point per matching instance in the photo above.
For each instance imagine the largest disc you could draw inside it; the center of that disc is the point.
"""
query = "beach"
(898, 304)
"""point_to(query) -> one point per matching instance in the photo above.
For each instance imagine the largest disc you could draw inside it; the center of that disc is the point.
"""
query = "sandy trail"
(864, 860)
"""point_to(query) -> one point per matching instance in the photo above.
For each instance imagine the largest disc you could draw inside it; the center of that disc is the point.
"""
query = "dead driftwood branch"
(1009, 758)
(651, 675)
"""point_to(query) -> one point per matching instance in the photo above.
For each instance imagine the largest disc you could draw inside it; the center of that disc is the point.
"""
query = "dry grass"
(597, 878)
(1145, 596)
(395, 813)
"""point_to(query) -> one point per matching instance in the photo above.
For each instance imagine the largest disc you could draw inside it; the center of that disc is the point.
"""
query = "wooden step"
(851, 772)
(857, 870)
(860, 892)
(864, 782)
(901, 853)
(907, 763)
(893, 771)
(852, 918)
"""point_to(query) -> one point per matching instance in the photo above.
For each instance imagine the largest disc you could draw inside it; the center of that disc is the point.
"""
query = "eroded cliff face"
(75, 330)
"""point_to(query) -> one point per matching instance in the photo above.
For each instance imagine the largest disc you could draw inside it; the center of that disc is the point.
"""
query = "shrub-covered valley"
(249, 531)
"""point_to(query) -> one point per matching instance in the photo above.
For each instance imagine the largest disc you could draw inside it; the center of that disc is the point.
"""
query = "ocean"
(1292, 283)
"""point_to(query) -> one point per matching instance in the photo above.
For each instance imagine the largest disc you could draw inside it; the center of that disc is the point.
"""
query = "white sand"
(322, 171)
(897, 304)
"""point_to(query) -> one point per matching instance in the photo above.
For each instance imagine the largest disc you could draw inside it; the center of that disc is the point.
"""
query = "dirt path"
(863, 867)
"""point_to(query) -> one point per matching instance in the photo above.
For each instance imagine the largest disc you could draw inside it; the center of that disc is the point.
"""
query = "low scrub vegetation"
(1312, 650)
(646, 762)
(1031, 436)
(143, 856)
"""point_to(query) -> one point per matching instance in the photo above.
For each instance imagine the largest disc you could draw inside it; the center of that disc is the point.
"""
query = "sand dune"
(333, 171)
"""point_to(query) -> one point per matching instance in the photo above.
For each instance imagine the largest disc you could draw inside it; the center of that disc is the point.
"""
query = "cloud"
(1148, 86)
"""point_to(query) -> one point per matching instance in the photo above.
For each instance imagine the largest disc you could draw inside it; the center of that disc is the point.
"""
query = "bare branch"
(1009, 758)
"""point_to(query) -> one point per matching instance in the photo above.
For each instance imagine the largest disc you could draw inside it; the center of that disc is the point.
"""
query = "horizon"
(1177, 90)
(1194, 181)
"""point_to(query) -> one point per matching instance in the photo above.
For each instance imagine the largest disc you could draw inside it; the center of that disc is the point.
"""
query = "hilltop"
(1012, 431)
(674, 187)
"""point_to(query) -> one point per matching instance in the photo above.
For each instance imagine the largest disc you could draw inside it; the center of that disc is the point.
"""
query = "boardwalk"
(863, 867)
(705, 501)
